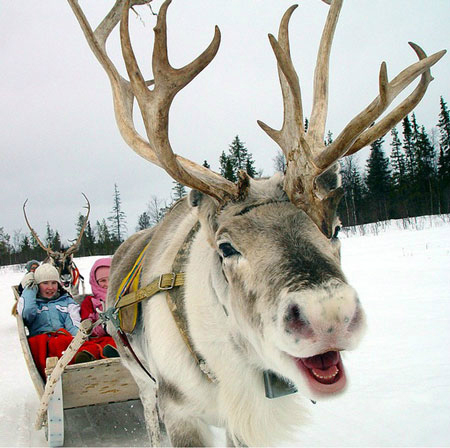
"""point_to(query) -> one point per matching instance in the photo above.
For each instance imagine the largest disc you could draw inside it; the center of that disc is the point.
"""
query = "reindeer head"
(62, 259)
(273, 242)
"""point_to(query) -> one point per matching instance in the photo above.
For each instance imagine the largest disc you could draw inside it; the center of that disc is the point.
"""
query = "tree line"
(102, 239)
(413, 180)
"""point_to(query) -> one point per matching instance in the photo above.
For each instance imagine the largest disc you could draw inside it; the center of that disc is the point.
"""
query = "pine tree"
(49, 235)
(117, 218)
(408, 147)
(82, 250)
(206, 164)
(105, 244)
(56, 242)
(350, 206)
(87, 242)
(143, 222)
(378, 181)
(25, 248)
(179, 191)
(250, 166)
(227, 168)
(399, 177)
(90, 239)
(444, 156)
(37, 251)
(426, 172)
(421, 187)
(5, 248)
(238, 153)
(238, 159)
(398, 161)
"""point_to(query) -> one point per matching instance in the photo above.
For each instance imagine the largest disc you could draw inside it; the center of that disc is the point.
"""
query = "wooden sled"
(85, 384)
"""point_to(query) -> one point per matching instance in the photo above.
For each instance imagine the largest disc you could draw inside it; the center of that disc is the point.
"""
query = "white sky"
(58, 133)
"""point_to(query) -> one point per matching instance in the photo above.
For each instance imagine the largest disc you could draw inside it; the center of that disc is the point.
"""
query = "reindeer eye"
(228, 250)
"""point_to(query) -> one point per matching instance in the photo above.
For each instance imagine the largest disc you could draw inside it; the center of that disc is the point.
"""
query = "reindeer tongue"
(323, 361)
(323, 367)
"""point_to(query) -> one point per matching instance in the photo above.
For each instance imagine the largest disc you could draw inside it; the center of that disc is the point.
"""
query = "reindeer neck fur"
(236, 307)
(225, 341)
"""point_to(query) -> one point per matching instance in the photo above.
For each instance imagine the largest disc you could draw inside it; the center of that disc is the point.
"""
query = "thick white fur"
(236, 347)
(256, 420)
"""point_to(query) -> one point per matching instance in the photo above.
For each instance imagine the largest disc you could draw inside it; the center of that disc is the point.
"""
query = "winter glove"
(28, 281)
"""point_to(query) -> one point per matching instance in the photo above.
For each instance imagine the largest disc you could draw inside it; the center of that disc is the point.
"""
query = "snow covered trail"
(19, 399)
(399, 393)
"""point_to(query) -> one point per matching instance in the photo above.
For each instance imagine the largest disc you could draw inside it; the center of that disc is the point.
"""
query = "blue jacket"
(43, 315)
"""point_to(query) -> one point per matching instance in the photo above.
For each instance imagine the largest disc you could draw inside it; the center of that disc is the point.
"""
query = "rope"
(84, 331)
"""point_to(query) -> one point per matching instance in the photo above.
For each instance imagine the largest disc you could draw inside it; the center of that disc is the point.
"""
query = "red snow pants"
(46, 345)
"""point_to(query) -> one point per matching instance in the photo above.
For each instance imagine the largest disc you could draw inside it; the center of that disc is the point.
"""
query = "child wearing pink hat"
(92, 304)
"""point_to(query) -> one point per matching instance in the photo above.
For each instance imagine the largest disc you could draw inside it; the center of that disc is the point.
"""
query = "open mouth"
(325, 372)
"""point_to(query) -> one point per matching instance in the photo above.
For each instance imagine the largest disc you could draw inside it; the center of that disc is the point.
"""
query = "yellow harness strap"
(175, 298)
(128, 316)
(129, 295)
(163, 283)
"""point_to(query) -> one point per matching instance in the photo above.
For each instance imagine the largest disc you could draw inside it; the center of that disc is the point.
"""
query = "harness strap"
(164, 282)
(175, 298)
(127, 344)
(172, 283)
(75, 274)
(128, 317)
(131, 277)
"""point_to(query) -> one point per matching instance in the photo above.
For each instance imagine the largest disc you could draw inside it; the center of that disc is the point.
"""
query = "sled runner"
(84, 384)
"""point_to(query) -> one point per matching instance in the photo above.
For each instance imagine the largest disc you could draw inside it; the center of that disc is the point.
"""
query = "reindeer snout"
(332, 311)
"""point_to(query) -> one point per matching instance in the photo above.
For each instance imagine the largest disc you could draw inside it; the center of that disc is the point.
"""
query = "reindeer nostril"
(296, 322)
(293, 313)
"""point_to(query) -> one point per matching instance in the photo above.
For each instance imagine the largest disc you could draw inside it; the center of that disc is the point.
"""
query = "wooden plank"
(32, 369)
(96, 382)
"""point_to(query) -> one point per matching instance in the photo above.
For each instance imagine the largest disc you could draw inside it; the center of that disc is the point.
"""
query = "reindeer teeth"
(325, 375)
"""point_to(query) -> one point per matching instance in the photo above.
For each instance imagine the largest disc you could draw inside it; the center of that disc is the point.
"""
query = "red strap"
(75, 275)
(126, 343)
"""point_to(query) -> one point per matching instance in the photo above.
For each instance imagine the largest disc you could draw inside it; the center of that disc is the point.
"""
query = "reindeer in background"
(250, 292)
(63, 259)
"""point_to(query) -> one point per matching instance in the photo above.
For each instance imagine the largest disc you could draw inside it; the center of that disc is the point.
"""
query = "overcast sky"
(58, 133)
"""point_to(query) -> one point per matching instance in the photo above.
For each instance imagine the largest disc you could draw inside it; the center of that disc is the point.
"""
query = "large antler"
(48, 249)
(75, 246)
(305, 152)
(154, 104)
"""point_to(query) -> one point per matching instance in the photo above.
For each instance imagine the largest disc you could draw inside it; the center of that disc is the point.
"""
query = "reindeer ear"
(195, 198)
(207, 211)
(329, 180)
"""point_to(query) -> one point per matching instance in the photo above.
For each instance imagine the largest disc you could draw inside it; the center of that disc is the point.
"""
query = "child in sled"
(92, 304)
(52, 318)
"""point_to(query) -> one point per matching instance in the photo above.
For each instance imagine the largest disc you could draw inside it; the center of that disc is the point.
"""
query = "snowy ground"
(400, 384)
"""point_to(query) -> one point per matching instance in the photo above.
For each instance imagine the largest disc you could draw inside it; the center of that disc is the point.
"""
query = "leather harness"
(129, 295)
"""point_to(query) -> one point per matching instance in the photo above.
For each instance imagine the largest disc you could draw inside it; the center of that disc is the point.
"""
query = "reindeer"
(264, 307)
(63, 260)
